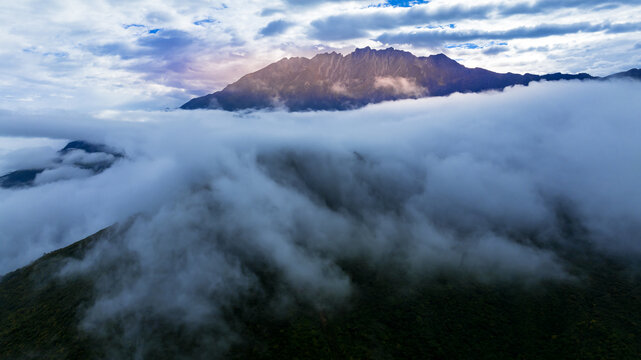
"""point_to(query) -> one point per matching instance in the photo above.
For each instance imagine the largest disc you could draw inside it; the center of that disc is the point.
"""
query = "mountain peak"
(328, 55)
(389, 51)
(442, 59)
(332, 81)
(631, 74)
(439, 56)
(366, 49)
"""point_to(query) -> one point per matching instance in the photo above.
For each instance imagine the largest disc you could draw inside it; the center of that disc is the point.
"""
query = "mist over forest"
(499, 187)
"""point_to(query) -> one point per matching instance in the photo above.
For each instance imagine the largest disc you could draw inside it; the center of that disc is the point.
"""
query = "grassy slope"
(444, 318)
(39, 315)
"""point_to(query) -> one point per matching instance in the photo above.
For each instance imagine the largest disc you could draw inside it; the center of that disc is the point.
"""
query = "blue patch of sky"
(431, 27)
(406, 3)
(153, 31)
(400, 3)
(204, 22)
(464, 46)
(127, 26)
(476, 46)
(57, 54)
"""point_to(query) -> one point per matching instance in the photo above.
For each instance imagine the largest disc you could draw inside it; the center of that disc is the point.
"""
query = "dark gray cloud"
(342, 27)
(163, 43)
(494, 50)
(275, 27)
(271, 11)
(543, 6)
(163, 55)
(433, 38)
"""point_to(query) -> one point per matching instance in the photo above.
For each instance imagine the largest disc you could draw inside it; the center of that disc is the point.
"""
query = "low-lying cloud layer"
(209, 202)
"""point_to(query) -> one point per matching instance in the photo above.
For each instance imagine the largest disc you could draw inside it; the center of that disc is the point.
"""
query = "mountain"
(76, 155)
(632, 74)
(332, 81)
(40, 313)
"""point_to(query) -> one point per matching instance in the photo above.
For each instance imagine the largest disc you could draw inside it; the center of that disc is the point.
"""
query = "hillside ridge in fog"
(515, 211)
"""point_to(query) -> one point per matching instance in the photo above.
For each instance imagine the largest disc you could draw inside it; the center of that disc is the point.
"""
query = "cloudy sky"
(144, 54)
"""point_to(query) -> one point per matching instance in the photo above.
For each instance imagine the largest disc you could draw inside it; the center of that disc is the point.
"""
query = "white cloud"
(61, 173)
(30, 154)
(516, 145)
(400, 86)
(482, 184)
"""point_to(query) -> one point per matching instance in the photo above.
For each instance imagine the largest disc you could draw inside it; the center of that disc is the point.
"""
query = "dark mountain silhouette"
(19, 178)
(89, 148)
(332, 81)
(632, 73)
(26, 177)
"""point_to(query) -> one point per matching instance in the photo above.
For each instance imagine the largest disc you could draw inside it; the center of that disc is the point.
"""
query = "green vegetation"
(445, 317)
(454, 319)
(39, 313)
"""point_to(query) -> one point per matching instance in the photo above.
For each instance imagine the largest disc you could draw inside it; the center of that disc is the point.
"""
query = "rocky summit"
(332, 81)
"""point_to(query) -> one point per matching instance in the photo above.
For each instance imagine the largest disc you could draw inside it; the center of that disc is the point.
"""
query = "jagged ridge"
(331, 81)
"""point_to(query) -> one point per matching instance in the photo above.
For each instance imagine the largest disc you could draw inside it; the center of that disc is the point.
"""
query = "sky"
(151, 55)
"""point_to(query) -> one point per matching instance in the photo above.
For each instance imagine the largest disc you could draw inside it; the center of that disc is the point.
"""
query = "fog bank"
(483, 184)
